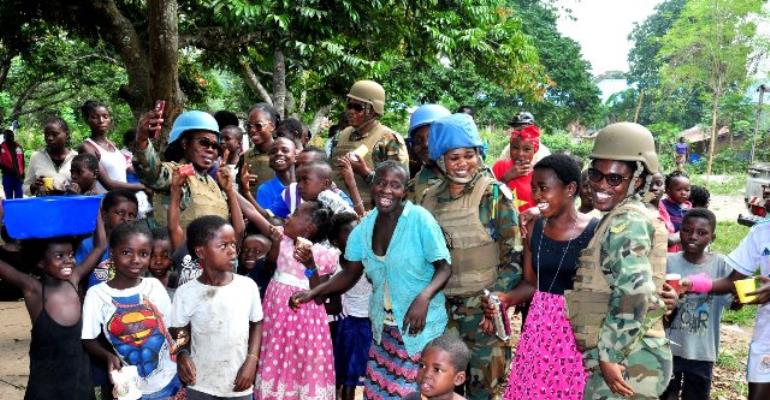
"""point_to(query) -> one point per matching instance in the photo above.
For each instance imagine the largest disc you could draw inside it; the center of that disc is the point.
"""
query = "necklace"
(563, 254)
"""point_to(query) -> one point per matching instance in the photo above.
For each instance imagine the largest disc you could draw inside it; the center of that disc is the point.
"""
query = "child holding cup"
(694, 328)
(753, 252)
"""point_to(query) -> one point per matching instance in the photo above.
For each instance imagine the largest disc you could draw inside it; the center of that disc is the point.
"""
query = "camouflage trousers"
(490, 357)
(648, 372)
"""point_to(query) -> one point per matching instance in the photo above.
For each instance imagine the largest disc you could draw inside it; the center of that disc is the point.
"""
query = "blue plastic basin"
(51, 216)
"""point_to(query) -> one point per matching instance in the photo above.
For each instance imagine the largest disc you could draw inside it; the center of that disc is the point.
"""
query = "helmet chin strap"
(644, 191)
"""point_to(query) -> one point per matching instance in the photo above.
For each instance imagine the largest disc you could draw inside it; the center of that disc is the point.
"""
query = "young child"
(118, 206)
(84, 171)
(189, 269)
(354, 331)
(694, 328)
(677, 200)
(221, 314)
(586, 195)
(752, 254)
(282, 154)
(442, 368)
(517, 171)
(700, 197)
(161, 262)
(57, 363)
(131, 312)
(252, 262)
(297, 352)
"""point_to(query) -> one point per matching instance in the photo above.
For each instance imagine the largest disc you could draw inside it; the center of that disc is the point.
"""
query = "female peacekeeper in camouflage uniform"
(478, 215)
(614, 308)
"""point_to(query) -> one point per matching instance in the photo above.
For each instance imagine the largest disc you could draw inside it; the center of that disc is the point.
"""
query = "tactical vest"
(207, 199)
(588, 301)
(475, 255)
(345, 145)
(260, 166)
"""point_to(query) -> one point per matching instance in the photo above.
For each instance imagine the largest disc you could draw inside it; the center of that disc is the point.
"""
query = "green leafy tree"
(709, 46)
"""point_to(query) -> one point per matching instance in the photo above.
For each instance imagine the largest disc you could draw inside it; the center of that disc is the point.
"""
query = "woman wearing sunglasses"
(613, 308)
(194, 139)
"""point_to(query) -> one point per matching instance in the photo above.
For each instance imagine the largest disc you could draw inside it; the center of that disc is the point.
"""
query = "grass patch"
(743, 317)
(729, 185)
(729, 235)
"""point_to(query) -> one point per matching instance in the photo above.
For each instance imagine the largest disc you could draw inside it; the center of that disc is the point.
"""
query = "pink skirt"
(548, 364)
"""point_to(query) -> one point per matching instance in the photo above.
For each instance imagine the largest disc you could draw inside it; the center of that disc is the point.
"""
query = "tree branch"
(253, 82)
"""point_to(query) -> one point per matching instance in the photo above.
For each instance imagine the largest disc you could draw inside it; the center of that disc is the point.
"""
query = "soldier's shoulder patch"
(619, 227)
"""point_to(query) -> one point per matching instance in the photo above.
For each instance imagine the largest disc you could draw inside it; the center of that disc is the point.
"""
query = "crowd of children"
(285, 271)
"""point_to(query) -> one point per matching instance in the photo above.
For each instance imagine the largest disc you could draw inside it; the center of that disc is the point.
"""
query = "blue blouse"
(407, 269)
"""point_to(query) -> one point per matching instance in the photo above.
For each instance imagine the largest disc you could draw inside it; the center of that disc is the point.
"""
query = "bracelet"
(359, 204)
(252, 355)
(369, 178)
(183, 351)
(309, 272)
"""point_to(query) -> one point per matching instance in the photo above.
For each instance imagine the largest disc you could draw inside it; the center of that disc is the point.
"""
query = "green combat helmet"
(588, 301)
(369, 92)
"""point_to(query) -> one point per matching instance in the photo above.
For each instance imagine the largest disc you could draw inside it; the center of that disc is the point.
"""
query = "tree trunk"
(315, 125)
(253, 82)
(121, 34)
(639, 105)
(163, 37)
(712, 144)
(279, 82)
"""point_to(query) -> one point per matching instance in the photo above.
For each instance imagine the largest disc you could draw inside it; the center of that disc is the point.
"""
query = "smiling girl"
(550, 261)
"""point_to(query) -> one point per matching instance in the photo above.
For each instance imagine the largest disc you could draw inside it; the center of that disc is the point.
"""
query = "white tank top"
(113, 162)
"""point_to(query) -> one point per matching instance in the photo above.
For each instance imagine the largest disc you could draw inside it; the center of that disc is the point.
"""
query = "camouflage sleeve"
(151, 171)
(390, 148)
(625, 251)
(501, 218)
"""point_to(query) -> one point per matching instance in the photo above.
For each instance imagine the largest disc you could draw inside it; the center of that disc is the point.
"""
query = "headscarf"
(529, 133)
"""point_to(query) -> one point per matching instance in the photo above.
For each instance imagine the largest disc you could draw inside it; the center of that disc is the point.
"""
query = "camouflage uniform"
(490, 357)
(629, 334)
(425, 178)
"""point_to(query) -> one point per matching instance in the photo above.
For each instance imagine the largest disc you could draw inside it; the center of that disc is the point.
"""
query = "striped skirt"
(390, 373)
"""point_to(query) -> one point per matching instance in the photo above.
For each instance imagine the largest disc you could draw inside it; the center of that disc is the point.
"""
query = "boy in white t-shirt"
(221, 314)
(753, 252)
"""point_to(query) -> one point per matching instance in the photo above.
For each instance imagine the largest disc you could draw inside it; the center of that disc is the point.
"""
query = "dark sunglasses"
(357, 107)
(206, 142)
(256, 126)
(596, 176)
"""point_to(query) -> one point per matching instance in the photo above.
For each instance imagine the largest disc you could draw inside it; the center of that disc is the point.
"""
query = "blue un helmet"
(425, 115)
(456, 131)
(193, 121)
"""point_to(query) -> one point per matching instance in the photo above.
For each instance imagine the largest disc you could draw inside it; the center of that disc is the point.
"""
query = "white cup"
(126, 381)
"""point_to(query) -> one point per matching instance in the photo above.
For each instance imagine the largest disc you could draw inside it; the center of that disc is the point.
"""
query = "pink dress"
(548, 364)
(296, 361)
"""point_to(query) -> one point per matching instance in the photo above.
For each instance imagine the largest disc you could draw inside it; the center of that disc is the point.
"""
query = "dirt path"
(727, 207)
(14, 345)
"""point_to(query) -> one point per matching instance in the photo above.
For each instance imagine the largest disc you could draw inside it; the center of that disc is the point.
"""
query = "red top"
(519, 186)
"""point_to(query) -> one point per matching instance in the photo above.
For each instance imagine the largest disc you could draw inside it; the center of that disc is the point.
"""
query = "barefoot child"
(57, 362)
(298, 351)
(131, 312)
(442, 368)
(221, 314)
(694, 328)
